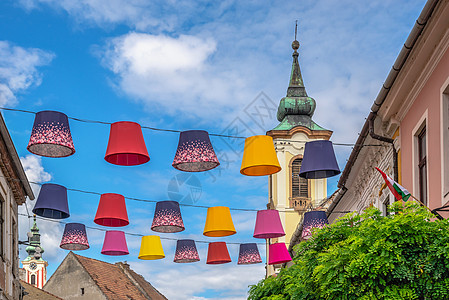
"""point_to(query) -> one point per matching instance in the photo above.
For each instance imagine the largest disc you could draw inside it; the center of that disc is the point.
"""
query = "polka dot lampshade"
(51, 135)
(249, 254)
(74, 237)
(313, 219)
(186, 252)
(195, 152)
(167, 217)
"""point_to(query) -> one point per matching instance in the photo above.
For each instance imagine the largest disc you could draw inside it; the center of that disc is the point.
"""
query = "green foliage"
(366, 256)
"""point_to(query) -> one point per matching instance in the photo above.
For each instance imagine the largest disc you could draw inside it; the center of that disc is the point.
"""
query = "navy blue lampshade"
(195, 152)
(313, 219)
(319, 160)
(186, 252)
(167, 217)
(52, 202)
(74, 237)
(51, 135)
(249, 254)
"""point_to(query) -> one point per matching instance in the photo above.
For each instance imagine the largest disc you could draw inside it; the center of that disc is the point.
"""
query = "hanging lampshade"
(74, 237)
(126, 145)
(114, 243)
(51, 135)
(195, 152)
(219, 222)
(268, 224)
(151, 248)
(278, 254)
(319, 160)
(52, 202)
(111, 211)
(259, 156)
(217, 253)
(167, 217)
(313, 219)
(186, 252)
(249, 254)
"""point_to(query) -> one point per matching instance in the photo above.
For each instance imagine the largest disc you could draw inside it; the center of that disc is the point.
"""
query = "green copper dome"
(297, 108)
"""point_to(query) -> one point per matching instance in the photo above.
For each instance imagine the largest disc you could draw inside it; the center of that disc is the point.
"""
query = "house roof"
(33, 293)
(118, 281)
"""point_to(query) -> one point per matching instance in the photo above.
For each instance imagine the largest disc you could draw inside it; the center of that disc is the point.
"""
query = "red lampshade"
(217, 253)
(111, 211)
(126, 145)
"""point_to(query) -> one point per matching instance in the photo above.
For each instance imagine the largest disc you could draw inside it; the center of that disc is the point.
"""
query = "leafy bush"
(366, 256)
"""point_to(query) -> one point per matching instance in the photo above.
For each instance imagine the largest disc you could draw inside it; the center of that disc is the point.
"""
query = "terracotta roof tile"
(115, 283)
(33, 293)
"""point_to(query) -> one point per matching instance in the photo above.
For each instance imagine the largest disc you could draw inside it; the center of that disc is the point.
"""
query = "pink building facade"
(409, 121)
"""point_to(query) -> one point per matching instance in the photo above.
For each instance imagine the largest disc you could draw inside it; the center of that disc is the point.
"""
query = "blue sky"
(184, 65)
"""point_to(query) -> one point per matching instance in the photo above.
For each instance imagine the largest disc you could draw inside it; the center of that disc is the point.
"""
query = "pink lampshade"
(268, 224)
(278, 254)
(114, 243)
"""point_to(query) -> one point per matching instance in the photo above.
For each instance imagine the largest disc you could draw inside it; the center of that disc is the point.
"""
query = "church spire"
(34, 240)
(297, 108)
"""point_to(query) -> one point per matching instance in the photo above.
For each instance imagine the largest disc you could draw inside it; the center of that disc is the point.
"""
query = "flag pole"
(433, 212)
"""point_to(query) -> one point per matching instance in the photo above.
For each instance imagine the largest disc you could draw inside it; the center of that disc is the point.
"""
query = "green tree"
(404, 255)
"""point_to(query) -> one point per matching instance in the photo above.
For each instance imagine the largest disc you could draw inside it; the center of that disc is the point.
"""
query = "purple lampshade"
(195, 152)
(278, 254)
(167, 217)
(313, 219)
(249, 254)
(319, 160)
(114, 243)
(268, 224)
(186, 252)
(52, 202)
(51, 135)
(74, 237)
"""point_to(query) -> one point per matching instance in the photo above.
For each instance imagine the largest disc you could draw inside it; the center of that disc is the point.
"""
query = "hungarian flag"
(398, 190)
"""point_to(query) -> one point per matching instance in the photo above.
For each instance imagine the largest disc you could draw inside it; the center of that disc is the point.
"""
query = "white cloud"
(228, 281)
(18, 70)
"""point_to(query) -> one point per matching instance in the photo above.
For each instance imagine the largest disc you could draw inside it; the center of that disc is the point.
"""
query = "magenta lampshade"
(52, 202)
(319, 160)
(249, 254)
(195, 152)
(313, 219)
(268, 224)
(278, 254)
(167, 217)
(51, 135)
(74, 237)
(186, 252)
(114, 243)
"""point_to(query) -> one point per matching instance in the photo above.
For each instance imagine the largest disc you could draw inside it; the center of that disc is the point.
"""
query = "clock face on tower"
(33, 266)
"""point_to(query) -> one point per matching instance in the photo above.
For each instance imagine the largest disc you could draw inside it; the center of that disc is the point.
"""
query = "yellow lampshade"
(219, 222)
(259, 156)
(151, 248)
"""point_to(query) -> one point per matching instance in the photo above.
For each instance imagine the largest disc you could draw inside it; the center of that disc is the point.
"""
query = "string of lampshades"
(51, 137)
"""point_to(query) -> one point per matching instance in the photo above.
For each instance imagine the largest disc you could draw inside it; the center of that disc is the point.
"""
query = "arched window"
(300, 186)
(33, 279)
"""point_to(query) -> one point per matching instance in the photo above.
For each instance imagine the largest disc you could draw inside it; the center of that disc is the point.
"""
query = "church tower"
(35, 267)
(290, 194)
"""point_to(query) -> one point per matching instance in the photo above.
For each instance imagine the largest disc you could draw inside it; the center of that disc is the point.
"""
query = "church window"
(299, 186)
(33, 279)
